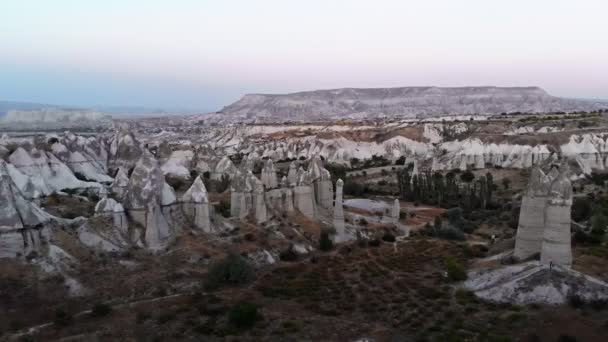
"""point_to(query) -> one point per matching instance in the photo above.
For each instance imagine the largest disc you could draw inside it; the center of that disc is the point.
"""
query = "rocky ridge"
(405, 101)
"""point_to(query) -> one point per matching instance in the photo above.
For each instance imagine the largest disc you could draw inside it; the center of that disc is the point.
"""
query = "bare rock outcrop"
(22, 224)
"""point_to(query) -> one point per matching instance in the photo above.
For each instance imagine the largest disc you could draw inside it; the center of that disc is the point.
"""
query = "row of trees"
(447, 191)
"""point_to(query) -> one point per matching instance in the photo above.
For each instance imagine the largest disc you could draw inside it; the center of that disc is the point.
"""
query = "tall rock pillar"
(556, 244)
(532, 216)
(339, 214)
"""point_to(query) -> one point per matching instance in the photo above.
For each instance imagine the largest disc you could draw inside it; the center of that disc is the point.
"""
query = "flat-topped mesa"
(423, 101)
(531, 225)
(338, 220)
(196, 205)
(557, 246)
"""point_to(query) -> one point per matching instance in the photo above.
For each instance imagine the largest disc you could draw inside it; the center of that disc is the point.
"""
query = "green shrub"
(454, 214)
(388, 237)
(230, 271)
(223, 208)
(452, 234)
(598, 224)
(456, 271)
(352, 188)
(581, 209)
(467, 176)
(325, 243)
(176, 183)
(243, 315)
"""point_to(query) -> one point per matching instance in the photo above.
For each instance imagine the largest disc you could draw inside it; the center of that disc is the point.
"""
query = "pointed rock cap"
(538, 184)
(107, 205)
(553, 173)
(197, 193)
(252, 183)
(21, 158)
(168, 195)
(121, 178)
(225, 165)
(561, 187)
(146, 184)
(269, 164)
(316, 169)
(415, 169)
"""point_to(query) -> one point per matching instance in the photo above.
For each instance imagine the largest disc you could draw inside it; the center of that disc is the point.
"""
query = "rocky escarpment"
(406, 101)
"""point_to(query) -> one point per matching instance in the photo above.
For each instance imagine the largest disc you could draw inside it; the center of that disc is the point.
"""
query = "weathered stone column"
(396, 210)
(292, 175)
(556, 245)
(339, 214)
(531, 225)
(269, 175)
(196, 205)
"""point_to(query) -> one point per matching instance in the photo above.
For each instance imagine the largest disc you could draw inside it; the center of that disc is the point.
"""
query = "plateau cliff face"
(406, 101)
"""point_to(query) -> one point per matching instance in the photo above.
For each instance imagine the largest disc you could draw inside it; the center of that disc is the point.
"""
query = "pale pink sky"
(195, 54)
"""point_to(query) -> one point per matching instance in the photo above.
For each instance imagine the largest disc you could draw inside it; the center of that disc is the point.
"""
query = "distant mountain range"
(115, 111)
(5, 106)
(405, 101)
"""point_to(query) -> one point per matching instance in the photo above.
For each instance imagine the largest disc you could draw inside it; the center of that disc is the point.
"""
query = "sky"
(200, 54)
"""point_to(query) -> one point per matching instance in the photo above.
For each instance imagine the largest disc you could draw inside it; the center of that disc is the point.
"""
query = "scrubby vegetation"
(230, 271)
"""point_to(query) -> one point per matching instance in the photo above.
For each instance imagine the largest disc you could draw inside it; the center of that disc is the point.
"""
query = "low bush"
(388, 237)
(243, 315)
(100, 310)
(456, 271)
(325, 243)
(230, 271)
(223, 208)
